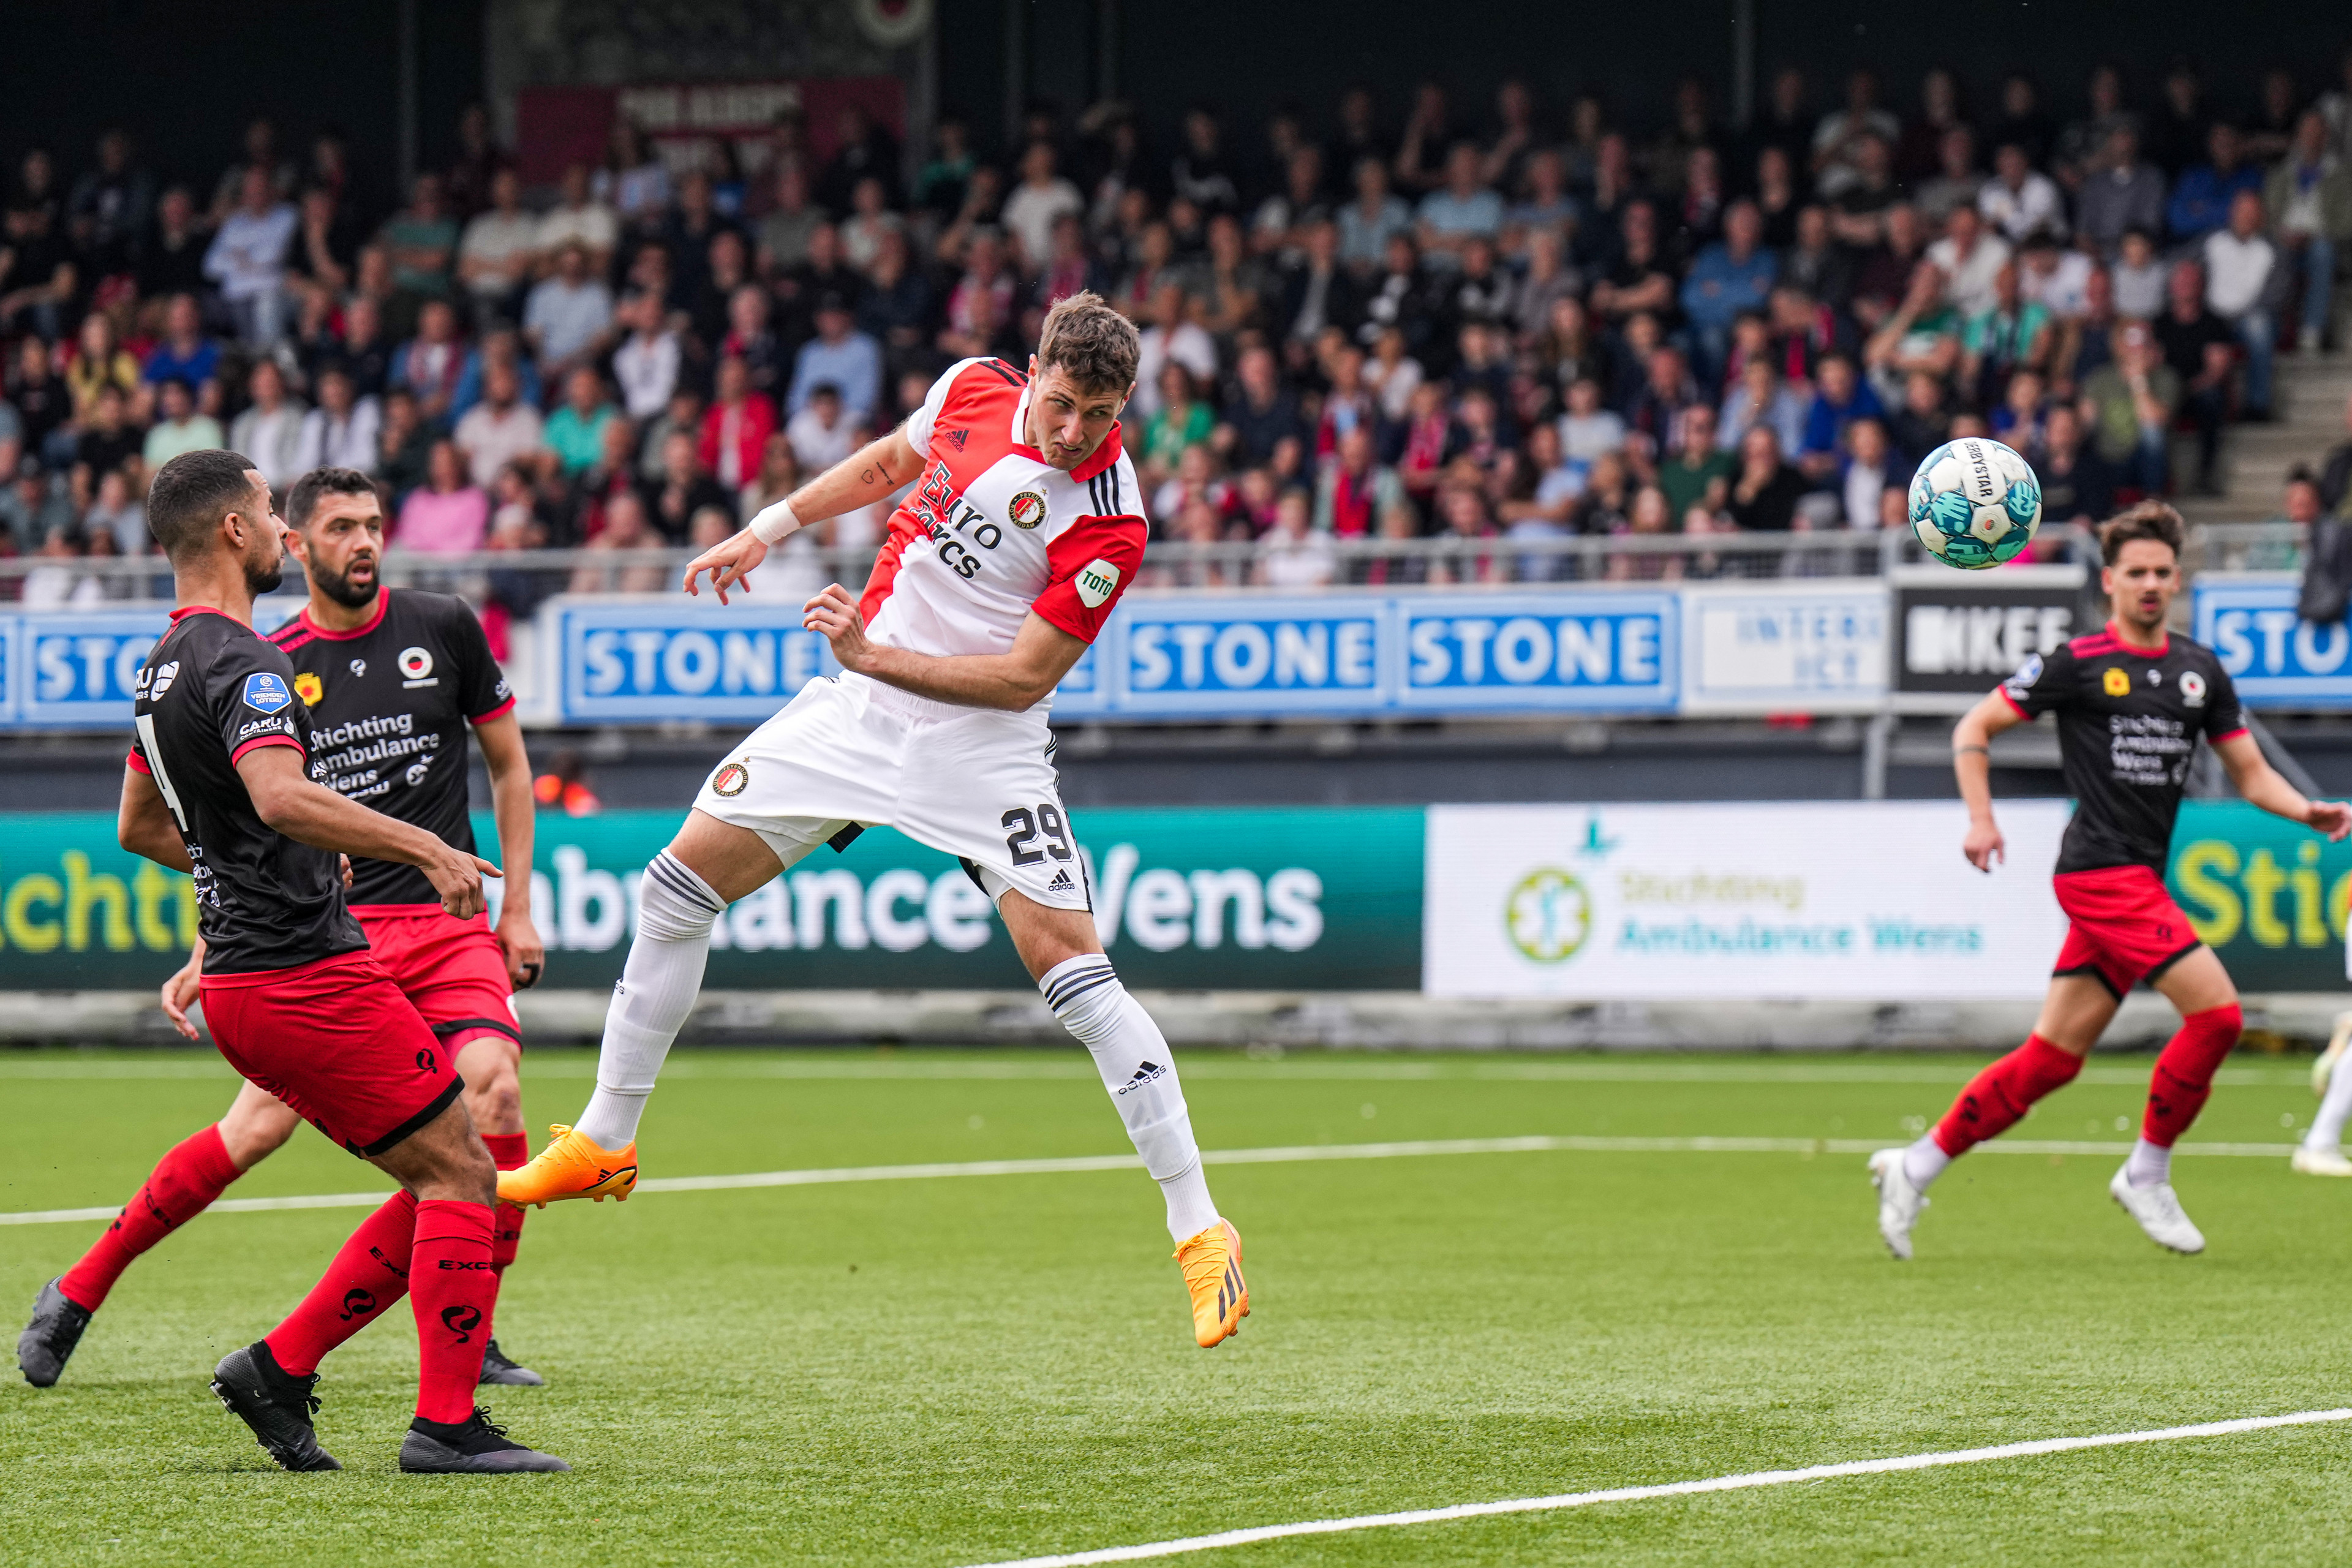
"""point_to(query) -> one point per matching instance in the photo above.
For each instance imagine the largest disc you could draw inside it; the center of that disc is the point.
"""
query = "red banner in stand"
(560, 125)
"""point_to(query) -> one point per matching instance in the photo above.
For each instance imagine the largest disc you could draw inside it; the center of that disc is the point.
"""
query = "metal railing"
(521, 580)
(2247, 547)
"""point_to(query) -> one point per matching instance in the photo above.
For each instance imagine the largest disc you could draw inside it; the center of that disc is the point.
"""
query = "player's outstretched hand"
(526, 955)
(180, 992)
(457, 877)
(730, 562)
(2333, 817)
(1984, 846)
(834, 615)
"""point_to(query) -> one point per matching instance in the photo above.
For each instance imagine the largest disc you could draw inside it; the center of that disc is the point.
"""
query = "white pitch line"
(1748, 1482)
(1299, 1153)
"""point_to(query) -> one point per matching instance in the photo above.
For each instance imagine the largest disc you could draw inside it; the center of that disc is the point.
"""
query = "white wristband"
(774, 522)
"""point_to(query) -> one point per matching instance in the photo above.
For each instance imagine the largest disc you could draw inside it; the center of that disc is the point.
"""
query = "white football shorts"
(975, 783)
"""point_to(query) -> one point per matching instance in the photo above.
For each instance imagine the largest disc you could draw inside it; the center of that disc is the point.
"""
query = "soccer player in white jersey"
(1025, 525)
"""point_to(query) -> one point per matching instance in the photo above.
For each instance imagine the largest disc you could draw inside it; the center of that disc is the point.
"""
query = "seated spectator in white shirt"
(582, 217)
(270, 429)
(646, 363)
(2053, 276)
(1029, 212)
(1588, 431)
(247, 259)
(2240, 265)
(1969, 258)
(2018, 201)
(343, 432)
(1172, 335)
(501, 428)
(499, 256)
(821, 433)
(1292, 554)
(570, 316)
(1870, 471)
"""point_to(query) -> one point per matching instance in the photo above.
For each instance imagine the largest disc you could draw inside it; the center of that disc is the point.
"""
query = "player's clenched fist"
(834, 614)
(730, 562)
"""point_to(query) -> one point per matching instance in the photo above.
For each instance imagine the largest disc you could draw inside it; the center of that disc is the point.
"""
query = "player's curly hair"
(2148, 519)
(1091, 343)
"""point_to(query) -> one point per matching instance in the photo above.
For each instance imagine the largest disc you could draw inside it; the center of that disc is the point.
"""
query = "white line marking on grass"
(1302, 1153)
(1748, 1482)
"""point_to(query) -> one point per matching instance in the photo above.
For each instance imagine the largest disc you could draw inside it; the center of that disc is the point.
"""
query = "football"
(1975, 503)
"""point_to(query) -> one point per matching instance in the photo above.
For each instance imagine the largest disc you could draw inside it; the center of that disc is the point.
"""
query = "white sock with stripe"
(676, 910)
(1132, 1057)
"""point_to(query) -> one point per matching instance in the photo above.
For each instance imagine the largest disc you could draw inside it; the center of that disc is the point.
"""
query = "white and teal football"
(1975, 503)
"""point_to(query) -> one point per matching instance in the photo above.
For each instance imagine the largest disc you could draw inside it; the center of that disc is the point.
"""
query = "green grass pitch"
(962, 1371)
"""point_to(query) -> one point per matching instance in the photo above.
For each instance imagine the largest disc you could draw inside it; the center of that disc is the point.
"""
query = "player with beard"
(390, 681)
(2131, 700)
(222, 784)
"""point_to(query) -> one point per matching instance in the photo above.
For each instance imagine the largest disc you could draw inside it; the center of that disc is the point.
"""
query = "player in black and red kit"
(224, 783)
(393, 683)
(2131, 703)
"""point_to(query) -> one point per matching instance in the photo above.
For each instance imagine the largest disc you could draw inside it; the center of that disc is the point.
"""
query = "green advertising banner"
(2267, 895)
(1210, 900)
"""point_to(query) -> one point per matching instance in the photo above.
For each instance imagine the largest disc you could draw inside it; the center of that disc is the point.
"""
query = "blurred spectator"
(1178, 421)
(682, 487)
(736, 426)
(575, 432)
(2129, 404)
(1293, 554)
(632, 182)
(1366, 222)
(625, 527)
(172, 258)
(118, 513)
(33, 508)
(2018, 202)
(2078, 144)
(1588, 431)
(98, 362)
(1871, 469)
(1461, 209)
(1041, 197)
(108, 442)
(1760, 397)
(569, 317)
(1262, 413)
(863, 149)
(404, 450)
(840, 356)
(1844, 139)
(431, 363)
(269, 431)
(2179, 129)
(2119, 193)
(185, 353)
(501, 428)
(2309, 195)
(53, 585)
(2200, 349)
(1766, 490)
(646, 364)
(449, 514)
(43, 406)
(1172, 337)
(1354, 487)
(499, 256)
(2241, 269)
(472, 181)
(38, 279)
(578, 216)
(1969, 256)
(1735, 274)
(261, 157)
(2077, 485)
(1841, 396)
(2335, 472)
(2201, 195)
(344, 429)
(180, 428)
(1957, 180)
(2011, 334)
(2140, 276)
(111, 205)
(324, 255)
(420, 240)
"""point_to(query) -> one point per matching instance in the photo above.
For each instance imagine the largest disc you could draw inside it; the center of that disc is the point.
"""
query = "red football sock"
(2183, 1079)
(512, 1153)
(370, 1274)
(1998, 1098)
(452, 1292)
(181, 1186)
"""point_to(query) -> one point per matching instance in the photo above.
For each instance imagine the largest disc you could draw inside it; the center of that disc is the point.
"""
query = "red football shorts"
(453, 971)
(336, 1040)
(2124, 928)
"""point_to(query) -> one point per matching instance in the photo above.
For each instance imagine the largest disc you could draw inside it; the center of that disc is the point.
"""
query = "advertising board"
(2277, 658)
(1816, 647)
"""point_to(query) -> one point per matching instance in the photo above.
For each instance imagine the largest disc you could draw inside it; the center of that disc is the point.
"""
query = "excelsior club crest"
(1026, 510)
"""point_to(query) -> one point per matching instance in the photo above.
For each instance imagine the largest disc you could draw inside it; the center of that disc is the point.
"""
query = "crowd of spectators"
(1533, 322)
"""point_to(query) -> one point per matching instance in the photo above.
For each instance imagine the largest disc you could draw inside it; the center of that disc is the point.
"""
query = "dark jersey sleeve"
(482, 691)
(2223, 717)
(250, 689)
(2041, 683)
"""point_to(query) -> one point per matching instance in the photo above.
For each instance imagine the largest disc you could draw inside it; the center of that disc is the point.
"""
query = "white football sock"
(2326, 1133)
(676, 910)
(1132, 1057)
(2150, 1164)
(1924, 1162)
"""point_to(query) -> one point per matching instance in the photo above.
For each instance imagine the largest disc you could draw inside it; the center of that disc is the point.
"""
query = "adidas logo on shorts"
(1061, 883)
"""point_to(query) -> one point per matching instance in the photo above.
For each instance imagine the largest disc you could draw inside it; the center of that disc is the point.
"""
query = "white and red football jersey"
(992, 530)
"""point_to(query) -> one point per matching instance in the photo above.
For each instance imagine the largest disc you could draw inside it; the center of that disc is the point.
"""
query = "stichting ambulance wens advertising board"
(1748, 901)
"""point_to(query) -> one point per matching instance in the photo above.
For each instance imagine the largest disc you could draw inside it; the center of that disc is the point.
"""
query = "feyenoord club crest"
(310, 689)
(730, 779)
(1026, 510)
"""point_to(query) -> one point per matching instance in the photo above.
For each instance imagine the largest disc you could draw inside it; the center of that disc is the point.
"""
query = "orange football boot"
(571, 1166)
(1212, 1262)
